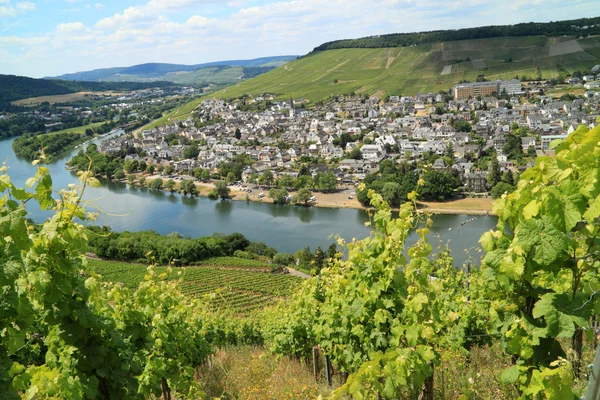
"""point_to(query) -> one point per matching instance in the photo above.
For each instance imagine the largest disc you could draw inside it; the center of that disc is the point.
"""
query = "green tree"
(355, 154)
(170, 185)
(266, 178)
(130, 178)
(188, 187)
(303, 196)
(221, 190)
(326, 182)
(169, 169)
(500, 188)
(494, 175)
(285, 181)
(438, 186)
(150, 169)
(279, 196)
(156, 184)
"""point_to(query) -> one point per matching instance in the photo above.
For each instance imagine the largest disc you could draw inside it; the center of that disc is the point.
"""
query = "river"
(287, 228)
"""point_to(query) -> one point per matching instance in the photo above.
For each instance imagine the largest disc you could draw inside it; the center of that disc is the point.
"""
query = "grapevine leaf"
(531, 209)
(43, 192)
(544, 305)
(593, 211)
(546, 242)
(510, 375)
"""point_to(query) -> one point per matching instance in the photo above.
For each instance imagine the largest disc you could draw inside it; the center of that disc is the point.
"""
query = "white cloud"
(198, 21)
(71, 27)
(26, 6)
(7, 11)
(99, 6)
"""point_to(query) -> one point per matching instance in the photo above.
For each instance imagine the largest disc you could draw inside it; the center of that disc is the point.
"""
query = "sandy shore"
(341, 199)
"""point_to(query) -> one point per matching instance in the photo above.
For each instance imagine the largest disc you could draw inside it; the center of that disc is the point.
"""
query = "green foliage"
(149, 246)
(30, 147)
(66, 335)
(279, 196)
(500, 188)
(439, 185)
(303, 197)
(221, 190)
(542, 265)
(188, 187)
(393, 181)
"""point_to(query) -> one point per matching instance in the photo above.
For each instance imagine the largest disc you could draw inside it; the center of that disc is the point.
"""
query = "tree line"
(552, 29)
(172, 249)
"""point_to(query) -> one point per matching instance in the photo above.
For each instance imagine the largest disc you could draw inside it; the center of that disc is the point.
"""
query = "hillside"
(220, 72)
(14, 87)
(582, 27)
(426, 67)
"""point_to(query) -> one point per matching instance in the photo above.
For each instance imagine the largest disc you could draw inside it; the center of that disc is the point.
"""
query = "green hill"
(14, 87)
(219, 72)
(426, 67)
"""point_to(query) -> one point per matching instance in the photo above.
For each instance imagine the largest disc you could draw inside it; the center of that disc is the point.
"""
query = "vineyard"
(231, 287)
(235, 262)
(393, 320)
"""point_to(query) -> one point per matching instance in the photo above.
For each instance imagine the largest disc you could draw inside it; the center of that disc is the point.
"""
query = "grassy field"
(406, 71)
(240, 289)
(79, 129)
(61, 98)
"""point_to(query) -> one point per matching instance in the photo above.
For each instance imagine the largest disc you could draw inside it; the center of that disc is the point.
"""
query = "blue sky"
(51, 37)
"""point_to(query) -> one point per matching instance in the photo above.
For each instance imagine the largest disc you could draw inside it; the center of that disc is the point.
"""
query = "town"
(467, 133)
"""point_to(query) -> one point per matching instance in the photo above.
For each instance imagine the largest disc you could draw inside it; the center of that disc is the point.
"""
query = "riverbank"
(342, 199)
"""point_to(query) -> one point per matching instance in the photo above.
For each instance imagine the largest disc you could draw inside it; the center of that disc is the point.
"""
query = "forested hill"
(14, 87)
(576, 27)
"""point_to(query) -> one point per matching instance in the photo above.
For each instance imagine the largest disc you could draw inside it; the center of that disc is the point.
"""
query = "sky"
(41, 38)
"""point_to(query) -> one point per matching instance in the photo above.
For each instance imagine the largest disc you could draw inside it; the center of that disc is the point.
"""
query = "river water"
(287, 228)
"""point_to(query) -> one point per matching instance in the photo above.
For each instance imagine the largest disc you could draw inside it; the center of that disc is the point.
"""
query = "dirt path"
(287, 68)
(299, 274)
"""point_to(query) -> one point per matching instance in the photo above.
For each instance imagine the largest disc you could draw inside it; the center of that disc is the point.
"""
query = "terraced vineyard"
(224, 288)
(427, 67)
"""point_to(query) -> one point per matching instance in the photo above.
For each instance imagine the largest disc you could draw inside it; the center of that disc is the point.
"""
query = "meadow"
(61, 98)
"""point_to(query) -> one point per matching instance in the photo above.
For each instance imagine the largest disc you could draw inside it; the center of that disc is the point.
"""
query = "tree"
(188, 187)
(326, 182)
(438, 186)
(512, 147)
(392, 193)
(318, 260)
(150, 169)
(508, 177)
(462, 126)
(191, 151)
(130, 178)
(500, 188)
(332, 251)
(303, 196)
(142, 166)
(355, 154)
(170, 185)
(156, 184)
(120, 174)
(531, 152)
(169, 169)
(494, 175)
(221, 190)
(279, 196)
(230, 178)
(266, 178)
(238, 133)
(142, 180)
(285, 181)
